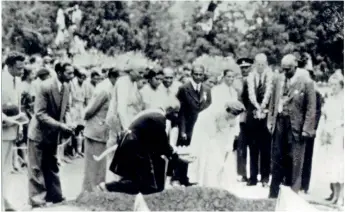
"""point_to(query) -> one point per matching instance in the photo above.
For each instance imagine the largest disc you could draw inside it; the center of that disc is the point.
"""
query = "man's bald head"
(289, 59)
(260, 62)
(262, 58)
(289, 65)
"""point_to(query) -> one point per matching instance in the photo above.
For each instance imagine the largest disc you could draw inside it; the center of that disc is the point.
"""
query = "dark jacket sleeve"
(181, 116)
(309, 121)
(41, 105)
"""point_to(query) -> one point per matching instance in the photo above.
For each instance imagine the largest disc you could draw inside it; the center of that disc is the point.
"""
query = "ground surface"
(72, 175)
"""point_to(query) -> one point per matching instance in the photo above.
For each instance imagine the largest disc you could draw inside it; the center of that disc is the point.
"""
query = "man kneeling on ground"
(138, 157)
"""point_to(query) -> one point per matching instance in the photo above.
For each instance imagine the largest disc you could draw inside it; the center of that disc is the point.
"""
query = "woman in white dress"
(212, 145)
(329, 148)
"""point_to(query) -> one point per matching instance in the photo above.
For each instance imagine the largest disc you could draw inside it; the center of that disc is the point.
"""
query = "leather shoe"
(188, 184)
(55, 201)
(251, 183)
(264, 184)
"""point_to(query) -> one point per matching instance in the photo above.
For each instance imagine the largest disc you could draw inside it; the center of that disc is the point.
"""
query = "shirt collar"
(59, 84)
(194, 84)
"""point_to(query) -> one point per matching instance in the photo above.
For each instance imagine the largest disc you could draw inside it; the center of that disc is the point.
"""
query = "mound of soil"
(103, 201)
(184, 199)
(205, 199)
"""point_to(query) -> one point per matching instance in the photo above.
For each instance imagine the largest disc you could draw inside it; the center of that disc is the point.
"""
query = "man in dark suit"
(259, 83)
(194, 97)
(45, 131)
(241, 144)
(292, 121)
(138, 157)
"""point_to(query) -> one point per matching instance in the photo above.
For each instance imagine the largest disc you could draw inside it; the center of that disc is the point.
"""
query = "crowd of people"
(127, 119)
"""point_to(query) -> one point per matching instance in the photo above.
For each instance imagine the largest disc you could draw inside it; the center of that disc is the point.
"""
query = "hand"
(66, 128)
(187, 159)
(184, 136)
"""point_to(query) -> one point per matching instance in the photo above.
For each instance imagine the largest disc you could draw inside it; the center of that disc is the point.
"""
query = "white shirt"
(195, 85)
(259, 77)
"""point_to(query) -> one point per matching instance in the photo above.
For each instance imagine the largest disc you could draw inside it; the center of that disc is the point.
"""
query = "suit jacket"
(50, 110)
(319, 103)
(138, 156)
(11, 96)
(96, 112)
(191, 105)
(301, 104)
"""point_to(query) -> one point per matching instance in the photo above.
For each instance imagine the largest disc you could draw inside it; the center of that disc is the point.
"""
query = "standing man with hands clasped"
(194, 97)
(291, 119)
(46, 128)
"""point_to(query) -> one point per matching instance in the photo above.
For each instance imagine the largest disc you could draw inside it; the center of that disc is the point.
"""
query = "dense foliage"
(170, 32)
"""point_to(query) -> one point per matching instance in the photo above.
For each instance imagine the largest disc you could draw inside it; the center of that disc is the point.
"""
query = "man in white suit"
(10, 94)
(97, 132)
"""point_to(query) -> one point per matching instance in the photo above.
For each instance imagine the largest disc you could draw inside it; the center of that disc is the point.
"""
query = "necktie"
(286, 86)
(198, 89)
(14, 82)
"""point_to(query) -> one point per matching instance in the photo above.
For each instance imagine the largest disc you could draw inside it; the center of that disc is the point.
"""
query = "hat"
(43, 71)
(235, 107)
(245, 62)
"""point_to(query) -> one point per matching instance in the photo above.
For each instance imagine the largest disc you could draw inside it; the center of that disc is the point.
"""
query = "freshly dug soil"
(205, 199)
(102, 201)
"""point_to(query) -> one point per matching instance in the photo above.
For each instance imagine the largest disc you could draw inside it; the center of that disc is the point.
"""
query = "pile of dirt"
(205, 199)
(103, 201)
(184, 199)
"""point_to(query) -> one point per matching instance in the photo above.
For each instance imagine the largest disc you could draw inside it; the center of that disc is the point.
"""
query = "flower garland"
(268, 76)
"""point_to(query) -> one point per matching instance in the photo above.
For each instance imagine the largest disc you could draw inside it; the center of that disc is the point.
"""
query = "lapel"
(56, 94)
(64, 101)
(295, 86)
(191, 91)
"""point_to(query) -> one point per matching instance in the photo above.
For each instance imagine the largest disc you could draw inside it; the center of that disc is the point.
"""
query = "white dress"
(212, 144)
(328, 160)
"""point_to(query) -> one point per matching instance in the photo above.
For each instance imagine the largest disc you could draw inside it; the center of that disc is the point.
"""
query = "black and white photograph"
(200, 105)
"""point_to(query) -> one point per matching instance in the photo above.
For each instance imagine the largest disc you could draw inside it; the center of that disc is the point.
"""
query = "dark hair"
(26, 74)
(94, 74)
(225, 72)
(60, 68)
(32, 60)
(13, 57)
(150, 74)
(113, 73)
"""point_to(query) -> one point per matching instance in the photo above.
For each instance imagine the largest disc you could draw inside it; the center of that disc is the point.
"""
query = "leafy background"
(169, 32)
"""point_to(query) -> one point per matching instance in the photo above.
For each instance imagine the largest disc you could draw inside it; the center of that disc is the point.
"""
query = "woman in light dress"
(212, 145)
(328, 161)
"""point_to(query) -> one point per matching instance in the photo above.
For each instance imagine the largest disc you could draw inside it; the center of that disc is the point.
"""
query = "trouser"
(307, 166)
(43, 171)
(242, 151)
(6, 163)
(94, 172)
(260, 145)
(287, 158)
(131, 187)
(181, 169)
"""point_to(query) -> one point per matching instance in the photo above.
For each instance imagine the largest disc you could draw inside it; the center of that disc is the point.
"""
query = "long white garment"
(212, 144)
(328, 165)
